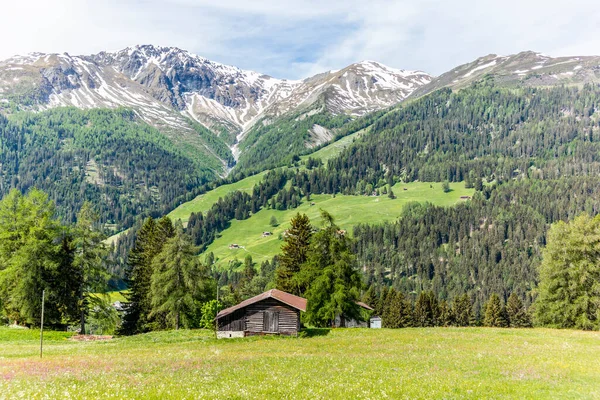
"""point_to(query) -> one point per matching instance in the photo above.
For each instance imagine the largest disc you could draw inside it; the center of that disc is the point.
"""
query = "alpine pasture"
(451, 363)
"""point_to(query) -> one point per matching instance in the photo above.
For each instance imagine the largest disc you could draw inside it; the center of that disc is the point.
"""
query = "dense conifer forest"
(124, 167)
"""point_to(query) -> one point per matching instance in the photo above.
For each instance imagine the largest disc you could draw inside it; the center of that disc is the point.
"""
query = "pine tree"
(516, 312)
(293, 255)
(495, 313)
(370, 297)
(380, 305)
(29, 255)
(179, 283)
(273, 221)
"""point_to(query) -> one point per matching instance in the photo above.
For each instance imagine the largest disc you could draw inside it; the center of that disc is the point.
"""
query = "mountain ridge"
(166, 85)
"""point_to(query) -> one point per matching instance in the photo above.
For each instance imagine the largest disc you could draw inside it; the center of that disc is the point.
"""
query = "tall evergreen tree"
(370, 297)
(335, 287)
(293, 254)
(392, 310)
(179, 283)
(148, 244)
(462, 311)
(569, 289)
(495, 313)
(445, 314)
(426, 309)
(381, 299)
(516, 312)
(139, 278)
(29, 255)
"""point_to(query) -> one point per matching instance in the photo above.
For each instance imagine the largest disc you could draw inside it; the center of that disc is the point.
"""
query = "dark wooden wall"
(235, 321)
(251, 318)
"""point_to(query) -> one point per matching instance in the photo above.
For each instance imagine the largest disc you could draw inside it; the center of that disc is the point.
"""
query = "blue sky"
(295, 39)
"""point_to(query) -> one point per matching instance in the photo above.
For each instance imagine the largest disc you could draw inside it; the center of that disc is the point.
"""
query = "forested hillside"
(484, 131)
(123, 166)
(492, 244)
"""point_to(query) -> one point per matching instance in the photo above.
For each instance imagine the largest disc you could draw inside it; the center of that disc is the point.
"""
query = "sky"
(296, 39)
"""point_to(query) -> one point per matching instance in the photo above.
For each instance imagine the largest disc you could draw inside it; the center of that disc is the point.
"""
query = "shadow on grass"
(313, 332)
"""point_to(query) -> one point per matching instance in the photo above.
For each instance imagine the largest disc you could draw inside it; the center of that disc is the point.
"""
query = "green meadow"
(204, 202)
(416, 363)
(347, 210)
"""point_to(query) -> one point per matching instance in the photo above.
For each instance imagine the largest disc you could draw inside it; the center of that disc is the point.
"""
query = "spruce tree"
(495, 313)
(406, 311)
(380, 305)
(462, 311)
(148, 244)
(180, 283)
(445, 317)
(516, 312)
(29, 255)
(332, 275)
(392, 310)
(426, 310)
(293, 254)
(370, 297)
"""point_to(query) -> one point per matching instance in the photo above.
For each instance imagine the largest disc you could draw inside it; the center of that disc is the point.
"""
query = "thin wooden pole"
(216, 320)
(42, 325)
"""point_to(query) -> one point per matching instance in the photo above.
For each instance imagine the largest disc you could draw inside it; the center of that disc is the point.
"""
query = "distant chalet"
(271, 313)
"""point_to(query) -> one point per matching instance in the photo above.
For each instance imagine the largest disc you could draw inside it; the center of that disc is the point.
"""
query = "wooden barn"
(271, 313)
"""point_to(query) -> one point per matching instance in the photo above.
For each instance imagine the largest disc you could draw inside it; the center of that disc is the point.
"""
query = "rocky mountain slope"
(170, 88)
(524, 69)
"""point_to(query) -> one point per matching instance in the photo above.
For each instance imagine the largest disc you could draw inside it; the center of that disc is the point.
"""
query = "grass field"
(450, 363)
(205, 201)
(335, 148)
(347, 210)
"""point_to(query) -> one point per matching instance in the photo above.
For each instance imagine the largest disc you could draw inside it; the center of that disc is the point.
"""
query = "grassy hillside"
(335, 148)
(447, 363)
(204, 201)
(348, 211)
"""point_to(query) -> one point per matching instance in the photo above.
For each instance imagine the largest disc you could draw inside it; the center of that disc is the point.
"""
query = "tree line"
(398, 310)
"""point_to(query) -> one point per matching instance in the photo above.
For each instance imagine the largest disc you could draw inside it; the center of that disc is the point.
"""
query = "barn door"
(270, 321)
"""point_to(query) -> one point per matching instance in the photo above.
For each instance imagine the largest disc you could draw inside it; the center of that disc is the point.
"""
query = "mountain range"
(168, 87)
(208, 118)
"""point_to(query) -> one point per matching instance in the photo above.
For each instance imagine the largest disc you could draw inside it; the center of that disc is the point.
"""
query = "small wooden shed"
(342, 321)
(270, 313)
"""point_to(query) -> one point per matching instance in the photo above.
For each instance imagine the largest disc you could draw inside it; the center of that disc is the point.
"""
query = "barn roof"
(296, 302)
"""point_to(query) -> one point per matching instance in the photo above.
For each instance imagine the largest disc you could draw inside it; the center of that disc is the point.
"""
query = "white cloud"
(298, 38)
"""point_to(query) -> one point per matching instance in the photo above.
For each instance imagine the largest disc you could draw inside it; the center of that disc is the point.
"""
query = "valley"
(307, 200)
